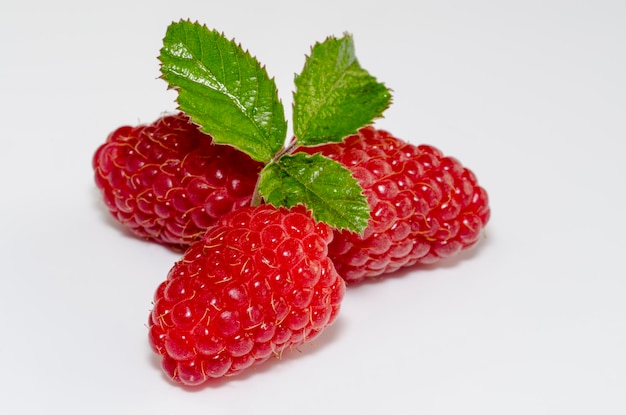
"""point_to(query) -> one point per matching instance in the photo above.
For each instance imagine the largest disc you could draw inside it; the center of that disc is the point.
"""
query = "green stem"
(289, 149)
(256, 196)
(257, 199)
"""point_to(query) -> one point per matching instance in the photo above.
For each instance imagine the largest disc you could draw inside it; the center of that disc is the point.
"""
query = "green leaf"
(334, 96)
(223, 89)
(323, 185)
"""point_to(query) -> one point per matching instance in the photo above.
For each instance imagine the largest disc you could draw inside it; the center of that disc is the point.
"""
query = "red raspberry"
(259, 282)
(169, 182)
(424, 206)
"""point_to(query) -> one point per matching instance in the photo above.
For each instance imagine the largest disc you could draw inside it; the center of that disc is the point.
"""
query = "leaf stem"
(256, 196)
(257, 199)
(293, 144)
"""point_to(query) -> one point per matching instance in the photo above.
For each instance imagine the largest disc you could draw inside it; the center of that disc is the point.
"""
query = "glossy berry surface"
(425, 206)
(258, 283)
(168, 182)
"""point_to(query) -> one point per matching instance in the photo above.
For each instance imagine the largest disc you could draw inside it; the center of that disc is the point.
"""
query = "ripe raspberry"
(169, 182)
(424, 206)
(258, 283)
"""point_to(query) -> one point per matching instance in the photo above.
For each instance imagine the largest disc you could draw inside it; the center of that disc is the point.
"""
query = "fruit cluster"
(273, 229)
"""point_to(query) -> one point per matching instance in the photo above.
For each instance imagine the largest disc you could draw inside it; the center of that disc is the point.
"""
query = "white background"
(531, 95)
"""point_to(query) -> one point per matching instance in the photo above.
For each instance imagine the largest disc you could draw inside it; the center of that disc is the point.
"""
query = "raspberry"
(259, 282)
(425, 206)
(169, 182)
